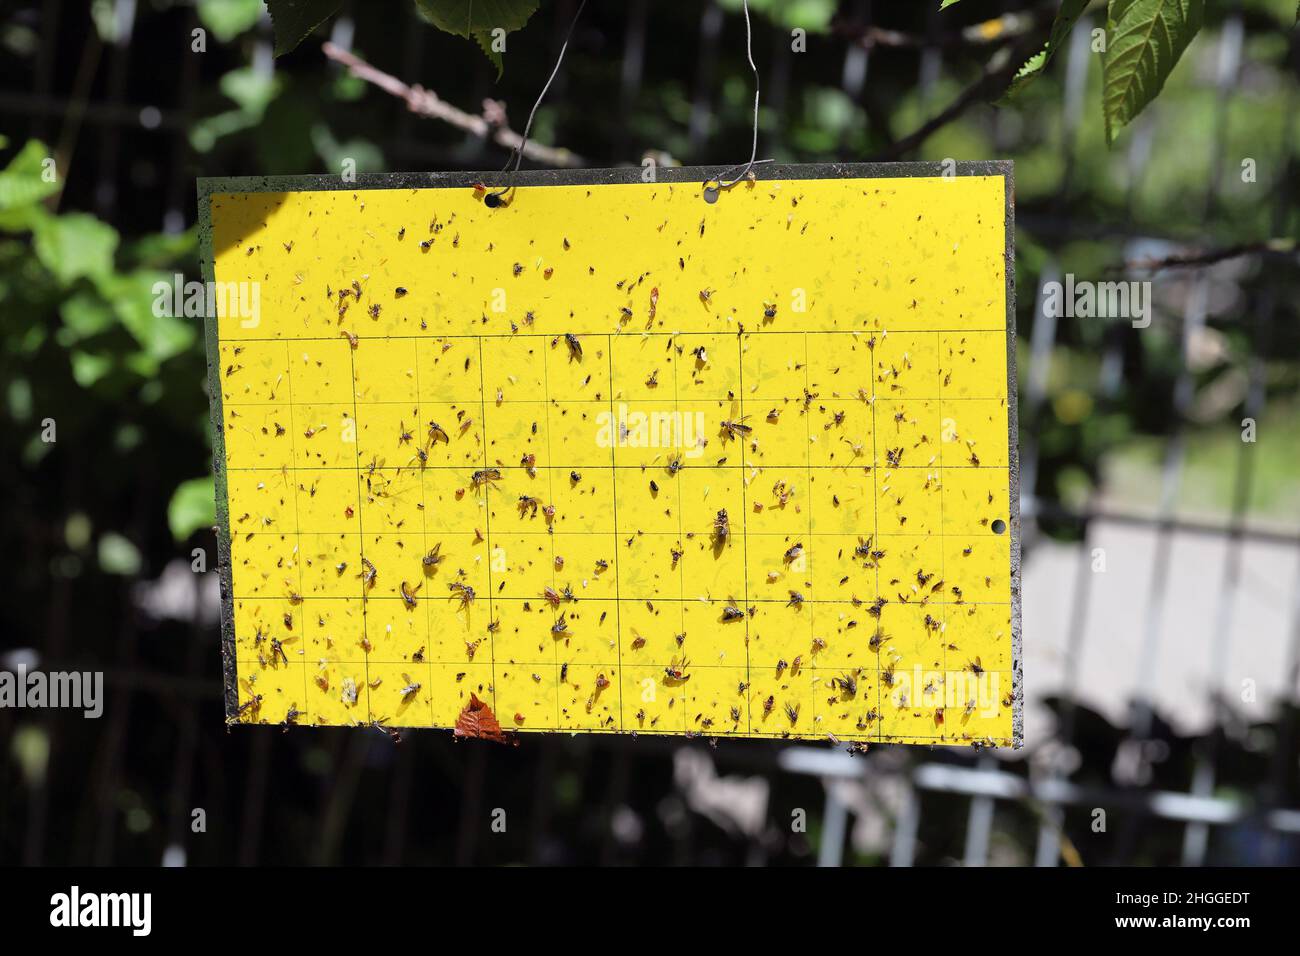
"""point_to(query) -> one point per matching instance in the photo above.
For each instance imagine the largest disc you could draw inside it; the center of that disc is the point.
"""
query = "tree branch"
(993, 81)
(1285, 248)
(428, 104)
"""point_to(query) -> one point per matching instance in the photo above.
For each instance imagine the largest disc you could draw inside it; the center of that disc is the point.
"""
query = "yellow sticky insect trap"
(614, 458)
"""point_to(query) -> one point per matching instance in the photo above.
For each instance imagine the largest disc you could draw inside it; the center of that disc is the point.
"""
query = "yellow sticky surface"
(854, 329)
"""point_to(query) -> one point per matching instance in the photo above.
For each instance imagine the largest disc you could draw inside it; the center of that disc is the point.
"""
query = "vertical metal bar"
(777, 91)
(931, 60)
(1170, 482)
(979, 822)
(43, 84)
(903, 851)
(853, 74)
(702, 106)
(111, 134)
(835, 818)
(255, 786)
(1043, 337)
(633, 67)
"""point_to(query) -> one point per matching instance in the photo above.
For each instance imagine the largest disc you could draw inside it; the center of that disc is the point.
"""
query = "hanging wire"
(711, 190)
(492, 200)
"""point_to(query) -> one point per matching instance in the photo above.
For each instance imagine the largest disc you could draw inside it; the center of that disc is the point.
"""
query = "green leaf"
(117, 555)
(1145, 38)
(84, 315)
(88, 368)
(1065, 20)
(814, 16)
(24, 181)
(160, 336)
(227, 19)
(477, 19)
(193, 506)
(294, 19)
(946, 4)
(74, 246)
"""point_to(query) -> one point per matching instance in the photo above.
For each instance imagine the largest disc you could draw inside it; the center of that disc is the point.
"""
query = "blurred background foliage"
(127, 105)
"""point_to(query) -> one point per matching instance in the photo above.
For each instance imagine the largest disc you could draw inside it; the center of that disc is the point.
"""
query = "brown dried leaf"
(477, 720)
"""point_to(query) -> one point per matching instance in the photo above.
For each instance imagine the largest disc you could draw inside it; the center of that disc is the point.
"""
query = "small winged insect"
(769, 310)
(461, 590)
(676, 672)
(437, 433)
(250, 706)
(769, 704)
(485, 476)
(847, 684)
(291, 716)
(277, 650)
(796, 600)
(575, 347)
(560, 626)
(706, 295)
(552, 596)
(369, 572)
(731, 612)
(528, 505)
(721, 526)
(408, 594)
(411, 688)
(434, 557)
(675, 464)
(877, 639)
(793, 553)
(738, 427)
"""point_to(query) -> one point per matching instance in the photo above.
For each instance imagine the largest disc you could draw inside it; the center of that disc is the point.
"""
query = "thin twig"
(992, 82)
(427, 103)
(1279, 247)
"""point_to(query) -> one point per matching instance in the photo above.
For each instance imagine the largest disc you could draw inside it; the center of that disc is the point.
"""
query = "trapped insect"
(721, 526)
(737, 427)
(463, 591)
(412, 686)
(676, 672)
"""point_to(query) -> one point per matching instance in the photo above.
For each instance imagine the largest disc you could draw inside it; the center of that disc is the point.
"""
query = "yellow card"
(613, 458)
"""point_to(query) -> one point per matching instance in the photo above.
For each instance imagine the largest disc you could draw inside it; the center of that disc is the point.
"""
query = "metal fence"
(365, 768)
